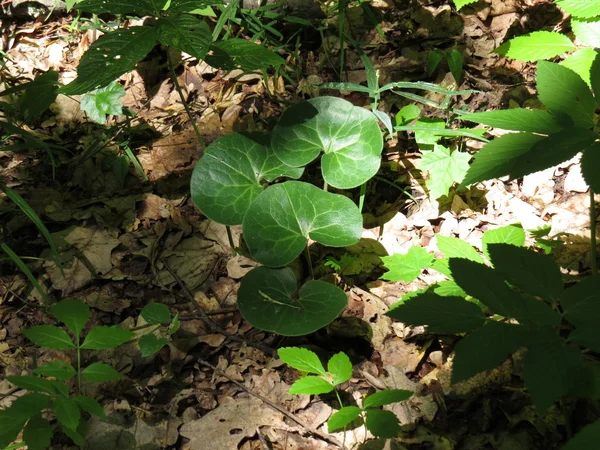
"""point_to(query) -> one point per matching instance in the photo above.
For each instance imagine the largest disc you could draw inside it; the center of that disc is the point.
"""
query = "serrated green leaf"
(595, 78)
(340, 368)
(485, 348)
(443, 315)
(186, 33)
(407, 114)
(156, 313)
(233, 54)
(138, 7)
(587, 438)
(28, 406)
(37, 434)
(150, 344)
(348, 136)
(455, 63)
(535, 46)
(89, 405)
(73, 313)
(406, 267)
(57, 369)
(590, 166)
(230, 175)
(383, 424)
(302, 359)
(580, 8)
(449, 288)
(386, 397)
(106, 337)
(535, 273)
(457, 248)
(581, 62)
(517, 119)
(425, 132)
(100, 373)
(311, 385)
(460, 3)
(49, 336)
(587, 31)
(565, 94)
(9, 428)
(101, 102)
(444, 169)
(511, 234)
(581, 303)
(442, 266)
(67, 412)
(280, 220)
(112, 55)
(343, 418)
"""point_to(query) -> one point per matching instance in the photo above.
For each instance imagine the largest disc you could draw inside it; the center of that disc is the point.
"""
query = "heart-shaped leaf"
(269, 300)
(349, 137)
(281, 219)
(228, 177)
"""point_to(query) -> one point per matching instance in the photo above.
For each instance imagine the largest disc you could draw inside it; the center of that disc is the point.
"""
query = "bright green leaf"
(49, 336)
(73, 313)
(191, 6)
(67, 412)
(517, 119)
(449, 288)
(156, 313)
(457, 248)
(445, 169)
(581, 62)
(580, 8)
(587, 438)
(282, 218)
(587, 31)
(426, 132)
(535, 46)
(311, 385)
(406, 267)
(301, 359)
(103, 101)
(510, 234)
(57, 369)
(269, 300)
(460, 3)
(100, 373)
(38, 433)
(186, 33)
(89, 405)
(343, 418)
(407, 114)
(174, 325)
(383, 424)
(386, 397)
(340, 368)
(232, 54)
(595, 78)
(590, 166)
(106, 337)
(150, 344)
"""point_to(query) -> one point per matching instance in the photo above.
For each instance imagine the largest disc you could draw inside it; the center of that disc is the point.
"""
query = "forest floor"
(126, 240)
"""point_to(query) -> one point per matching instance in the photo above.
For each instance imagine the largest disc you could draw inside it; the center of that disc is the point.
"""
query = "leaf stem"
(361, 200)
(325, 186)
(594, 250)
(78, 366)
(230, 237)
(309, 262)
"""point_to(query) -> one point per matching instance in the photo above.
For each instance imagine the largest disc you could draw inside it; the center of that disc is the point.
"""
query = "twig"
(213, 327)
(274, 406)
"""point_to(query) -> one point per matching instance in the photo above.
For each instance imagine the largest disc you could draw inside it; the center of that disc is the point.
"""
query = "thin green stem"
(78, 366)
(325, 186)
(361, 200)
(230, 237)
(337, 394)
(183, 101)
(309, 263)
(594, 250)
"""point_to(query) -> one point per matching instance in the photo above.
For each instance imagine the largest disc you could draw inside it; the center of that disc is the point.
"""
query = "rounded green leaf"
(156, 313)
(228, 177)
(100, 373)
(49, 336)
(343, 418)
(282, 218)
(349, 137)
(150, 344)
(387, 397)
(311, 385)
(269, 300)
(301, 359)
(106, 337)
(382, 423)
(57, 369)
(186, 33)
(588, 437)
(340, 368)
(73, 313)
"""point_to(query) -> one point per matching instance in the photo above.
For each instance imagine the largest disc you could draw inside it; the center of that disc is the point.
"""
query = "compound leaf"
(537, 45)
(89, 405)
(67, 412)
(348, 135)
(37, 434)
(343, 418)
(587, 336)
(445, 168)
(156, 313)
(406, 267)
(340, 368)
(186, 33)
(100, 373)
(73, 313)
(517, 119)
(100, 102)
(28, 406)
(301, 359)
(581, 303)
(233, 54)
(386, 397)
(311, 385)
(57, 369)
(267, 299)
(106, 337)
(457, 248)
(581, 62)
(49, 336)
(33, 384)
(510, 234)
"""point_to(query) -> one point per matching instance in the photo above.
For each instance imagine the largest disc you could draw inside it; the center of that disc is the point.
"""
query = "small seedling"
(157, 314)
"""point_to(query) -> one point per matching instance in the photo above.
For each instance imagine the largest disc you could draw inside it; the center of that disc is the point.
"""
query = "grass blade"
(21, 265)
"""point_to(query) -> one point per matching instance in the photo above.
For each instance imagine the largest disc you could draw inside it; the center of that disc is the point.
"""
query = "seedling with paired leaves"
(379, 422)
(155, 315)
(48, 389)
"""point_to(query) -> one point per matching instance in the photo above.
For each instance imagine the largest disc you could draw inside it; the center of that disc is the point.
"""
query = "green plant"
(48, 388)
(379, 422)
(155, 315)
(453, 58)
(228, 187)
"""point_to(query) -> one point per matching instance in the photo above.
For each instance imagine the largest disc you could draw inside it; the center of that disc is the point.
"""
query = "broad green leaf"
(302, 359)
(343, 418)
(49, 336)
(100, 373)
(497, 158)
(38, 95)
(460, 3)
(442, 266)
(586, 335)
(73, 313)
(581, 62)
(581, 303)
(340, 368)
(433, 60)
(112, 55)
(580, 8)
(67, 412)
(156, 313)
(444, 169)
(426, 130)
(75, 435)
(565, 94)
(406, 267)
(485, 348)
(517, 119)
(28, 406)
(595, 78)
(60, 387)
(269, 300)
(33, 384)
(233, 54)
(457, 248)
(348, 136)
(57, 369)
(455, 64)
(534, 273)
(535, 46)
(9, 428)
(443, 315)
(407, 114)
(150, 344)
(191, 6)
(383, 424)
(186, 33)
(89, 405)
(510, 234)
(280, 220)
(311, 385)
(449, 288)
(387, 397)
(230, 174)
(587, 438)
(37, 434)
(138, 7)
(106, 337)
(590, 166)
(103, 101)
(587, 31)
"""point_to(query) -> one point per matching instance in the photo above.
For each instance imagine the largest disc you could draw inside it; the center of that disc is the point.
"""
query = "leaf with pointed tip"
(228, 177)
(457, 248)
(73, 313)
(517, 119)
(580, 8)
(343, 418)
(340, 368)
(455, 63)
(445, 168)
(348, 136)
(89, 405)
(150, 344)
(67, 412)
(302, 359)
(37, 434)
(280, 220)
(406, 267)
(587, 31)
(581, 303)
(383, 424)
(581, 62)
(103, 101)
(267, 299)
(138, 7)
(186, 33)
(190, 6)
(311, 385)
(106, 337)
(156, 313)
(49, 336)
(595, 78)
(387, 397)
(28, 406)
(57, 369)
(233, 54)
(535, 46)
(460, 3)
(510, 234)
(100, 373)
